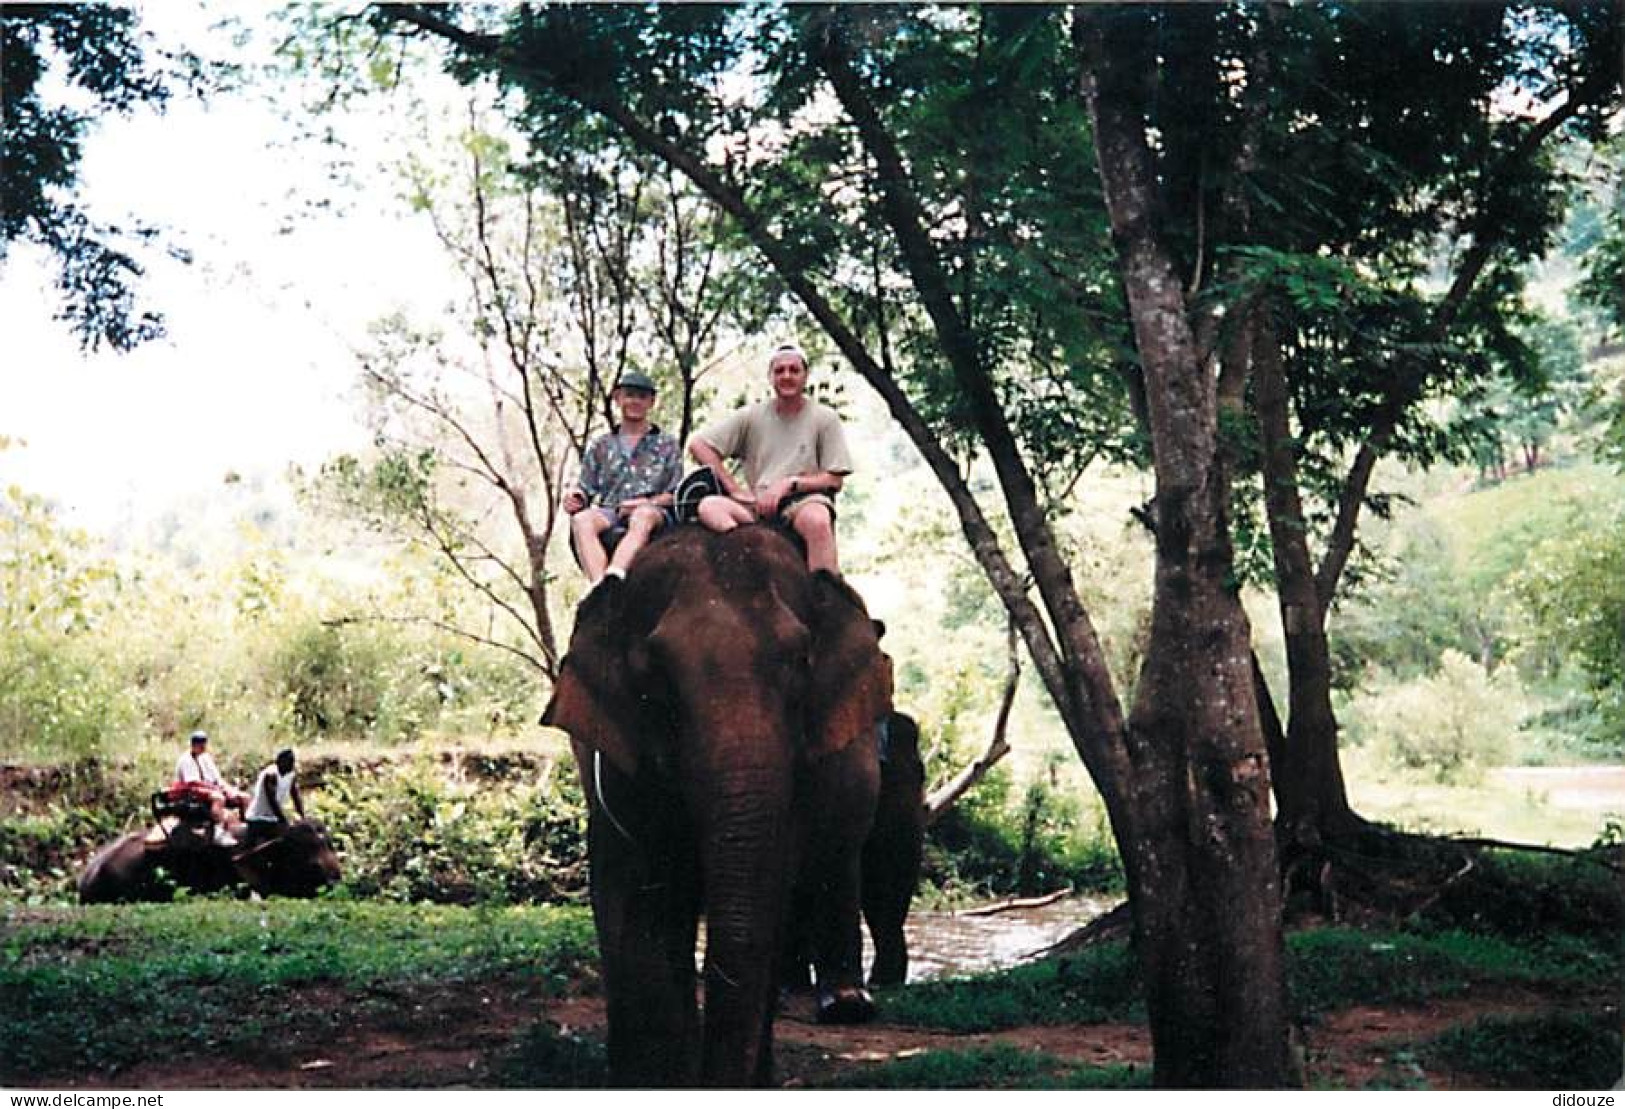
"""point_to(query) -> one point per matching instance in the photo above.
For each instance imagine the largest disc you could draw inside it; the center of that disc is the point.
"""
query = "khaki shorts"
(788, 511)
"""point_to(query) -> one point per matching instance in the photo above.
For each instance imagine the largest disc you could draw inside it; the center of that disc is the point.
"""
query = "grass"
(1497, 806)
(97, 988)
(1329, 969)
(1551, 1051)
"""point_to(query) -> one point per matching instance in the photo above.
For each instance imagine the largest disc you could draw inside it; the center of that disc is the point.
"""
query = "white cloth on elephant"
(281, 787)
(198, 768)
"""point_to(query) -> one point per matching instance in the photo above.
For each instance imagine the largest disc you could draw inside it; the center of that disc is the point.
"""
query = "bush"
(370, 682)
(411, 834)
(57, 701)
(986, 846)
(1452, 724)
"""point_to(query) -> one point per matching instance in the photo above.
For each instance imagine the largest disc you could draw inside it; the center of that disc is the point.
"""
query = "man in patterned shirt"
(627, 479)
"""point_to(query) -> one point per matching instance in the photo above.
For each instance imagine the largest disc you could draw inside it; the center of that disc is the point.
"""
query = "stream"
(951, 944)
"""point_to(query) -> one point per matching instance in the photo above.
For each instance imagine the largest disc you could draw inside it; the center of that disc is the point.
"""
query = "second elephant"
(891, 860)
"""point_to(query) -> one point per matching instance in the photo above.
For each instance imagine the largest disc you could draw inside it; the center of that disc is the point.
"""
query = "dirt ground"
(455, 1038)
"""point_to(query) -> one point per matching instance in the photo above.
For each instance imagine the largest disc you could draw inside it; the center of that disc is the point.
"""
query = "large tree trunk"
(1200, 858)
(1309, 790)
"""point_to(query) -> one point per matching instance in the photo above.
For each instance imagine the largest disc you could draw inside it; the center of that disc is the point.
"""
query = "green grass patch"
(998, 1067)
(1099, 984)
(97, 988)
(1328, 969)
(1551, 1051)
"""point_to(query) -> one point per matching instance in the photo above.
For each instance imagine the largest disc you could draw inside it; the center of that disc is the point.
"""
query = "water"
(947, 945)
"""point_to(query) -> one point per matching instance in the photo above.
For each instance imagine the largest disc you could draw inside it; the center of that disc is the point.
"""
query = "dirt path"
(457, 1038)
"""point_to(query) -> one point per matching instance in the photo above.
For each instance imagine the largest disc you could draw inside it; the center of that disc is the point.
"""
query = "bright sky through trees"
(256, 369)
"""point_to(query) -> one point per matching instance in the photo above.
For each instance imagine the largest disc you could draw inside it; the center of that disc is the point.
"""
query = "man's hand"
(631, 504)
(574, 501)
(772, 496)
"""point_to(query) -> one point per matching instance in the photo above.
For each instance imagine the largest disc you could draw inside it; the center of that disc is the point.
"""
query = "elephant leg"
(893, 853)
(887, 892)
(645, 911)
(844, 791)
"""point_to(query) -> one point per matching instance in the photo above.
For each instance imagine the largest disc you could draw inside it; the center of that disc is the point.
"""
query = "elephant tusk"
(603, 802)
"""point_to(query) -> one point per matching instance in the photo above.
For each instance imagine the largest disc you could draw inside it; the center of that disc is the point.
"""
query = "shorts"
(613, 519)
(788, 510)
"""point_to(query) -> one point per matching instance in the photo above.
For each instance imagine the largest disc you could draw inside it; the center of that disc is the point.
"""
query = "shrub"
(410, 834)
(57, 701)
(1452, 724)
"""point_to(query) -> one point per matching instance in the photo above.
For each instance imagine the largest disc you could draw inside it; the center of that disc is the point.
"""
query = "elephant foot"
(845, 1005)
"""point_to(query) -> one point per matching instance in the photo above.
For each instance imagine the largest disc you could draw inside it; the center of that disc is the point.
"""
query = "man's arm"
(270, 795)
(771, 497)
(588, 482)
(298, 802)
(707, 455)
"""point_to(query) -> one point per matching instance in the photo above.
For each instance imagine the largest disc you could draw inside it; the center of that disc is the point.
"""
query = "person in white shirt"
(197, 766)
(274, 789)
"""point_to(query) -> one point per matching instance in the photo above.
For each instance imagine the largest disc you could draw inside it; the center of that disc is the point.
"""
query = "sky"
(257, 369)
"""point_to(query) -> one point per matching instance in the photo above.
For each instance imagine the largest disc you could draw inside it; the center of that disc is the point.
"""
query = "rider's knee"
(717, 514)
(814, 521)
(647, 518)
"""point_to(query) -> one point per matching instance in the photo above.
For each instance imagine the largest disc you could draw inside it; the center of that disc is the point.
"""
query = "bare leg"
(723, 513)
(816, 527)
(588, 526)
(645, 522)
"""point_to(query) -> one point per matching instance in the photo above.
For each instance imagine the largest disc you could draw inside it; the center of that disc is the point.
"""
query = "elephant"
(721, 703)
(890, 863)
(297, 863)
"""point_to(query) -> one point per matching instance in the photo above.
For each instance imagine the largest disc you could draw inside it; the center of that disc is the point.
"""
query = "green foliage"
(412, 834)
(95, 989)
(1603, 286)
(1565, 901)
(1549, 1051)
(985, 845)
(353, 682)
(1453, 724)
(1573, 588)
(59, 701)
(996, 1067)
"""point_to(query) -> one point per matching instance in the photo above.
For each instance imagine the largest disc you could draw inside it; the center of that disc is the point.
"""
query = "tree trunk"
(1200, 857)
(1310, 793)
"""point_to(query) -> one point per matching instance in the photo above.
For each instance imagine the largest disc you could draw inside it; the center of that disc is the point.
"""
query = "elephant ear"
(592, 699)
(851, 678)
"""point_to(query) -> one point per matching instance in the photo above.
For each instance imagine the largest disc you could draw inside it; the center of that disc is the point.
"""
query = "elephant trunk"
(746, 859)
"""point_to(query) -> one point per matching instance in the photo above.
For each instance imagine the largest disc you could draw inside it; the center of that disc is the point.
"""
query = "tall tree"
(956, 262)
(61, 67)
(1413, 145)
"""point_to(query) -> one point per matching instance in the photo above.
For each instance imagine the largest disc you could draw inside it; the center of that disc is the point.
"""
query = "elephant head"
(707, 698)
(300, 862)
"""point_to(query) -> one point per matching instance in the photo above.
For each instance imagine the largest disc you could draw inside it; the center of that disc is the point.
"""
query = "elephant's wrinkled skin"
(299, 863)
(721, 703)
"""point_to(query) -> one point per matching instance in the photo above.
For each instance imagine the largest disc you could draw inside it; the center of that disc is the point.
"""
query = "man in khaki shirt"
(793, 452)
